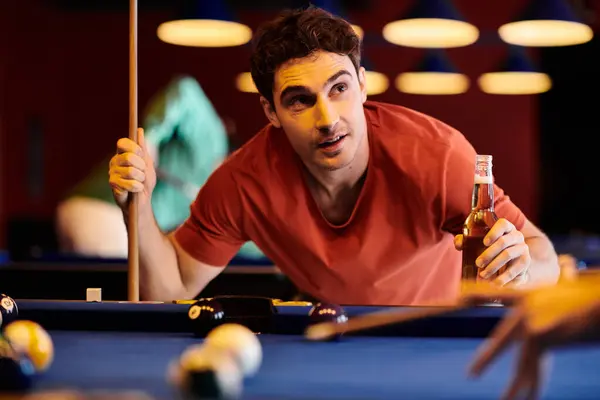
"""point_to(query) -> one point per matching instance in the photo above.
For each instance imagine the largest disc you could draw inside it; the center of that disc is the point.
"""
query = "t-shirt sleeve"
(213, 233)
(457, 187)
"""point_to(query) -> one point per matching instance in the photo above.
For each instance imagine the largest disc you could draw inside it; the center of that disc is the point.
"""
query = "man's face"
(319, 104)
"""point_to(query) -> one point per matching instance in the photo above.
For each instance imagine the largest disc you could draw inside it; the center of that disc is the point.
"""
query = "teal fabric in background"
(191, 139)
(181, 122)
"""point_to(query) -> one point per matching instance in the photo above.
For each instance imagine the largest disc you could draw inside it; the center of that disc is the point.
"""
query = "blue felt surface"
(355, 368)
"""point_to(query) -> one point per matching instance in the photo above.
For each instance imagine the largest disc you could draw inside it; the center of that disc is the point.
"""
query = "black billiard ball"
(205, 315)
(16, 369)
(8, 310)
(325, 312)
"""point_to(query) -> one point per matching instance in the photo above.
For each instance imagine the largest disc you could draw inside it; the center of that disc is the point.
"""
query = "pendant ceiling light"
(245, 83)
(516, 76)
(431, 24)
(206, 23)
(435, 75)
(377, 83)
(546, 23)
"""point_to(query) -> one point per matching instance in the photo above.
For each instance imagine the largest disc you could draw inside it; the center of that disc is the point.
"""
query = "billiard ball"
(241, 342)
(30, 338)
(16, 369)
(204, 372)
(8, 310)
(327, 312)
(205, 315)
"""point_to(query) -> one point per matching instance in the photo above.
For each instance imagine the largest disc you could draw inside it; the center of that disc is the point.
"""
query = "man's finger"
(521, 279)
(500, 228)
(458, 242)
(128, 160)
(129, 173)
(144, 145)
(119, 185)
(515, 268)
(502, 258)
(528, 374)
(509, 242)
(126, 145)
(506, 331)
(518, 385)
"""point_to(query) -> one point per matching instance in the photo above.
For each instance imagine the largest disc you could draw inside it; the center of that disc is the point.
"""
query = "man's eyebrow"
(298, 88)
(335, 76)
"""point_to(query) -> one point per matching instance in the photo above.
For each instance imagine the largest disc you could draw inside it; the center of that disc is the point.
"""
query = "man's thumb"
(142, 139)
(458, 242)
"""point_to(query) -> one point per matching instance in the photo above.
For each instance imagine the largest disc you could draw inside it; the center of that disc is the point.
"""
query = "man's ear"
(270, 112)
(362, 80)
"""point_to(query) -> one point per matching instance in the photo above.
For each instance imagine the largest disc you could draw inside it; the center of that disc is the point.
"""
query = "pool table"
(67, 278)
(122, 346)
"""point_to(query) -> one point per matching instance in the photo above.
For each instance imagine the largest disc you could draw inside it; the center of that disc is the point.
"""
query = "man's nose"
(327, 115)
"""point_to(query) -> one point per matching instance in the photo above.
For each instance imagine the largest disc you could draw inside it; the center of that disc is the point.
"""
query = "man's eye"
(340, 87)
(299, 100)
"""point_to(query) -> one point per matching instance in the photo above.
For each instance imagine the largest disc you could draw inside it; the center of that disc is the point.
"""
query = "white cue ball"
(242, 342)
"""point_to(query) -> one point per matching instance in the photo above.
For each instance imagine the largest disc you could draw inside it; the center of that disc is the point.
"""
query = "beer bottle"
(481, 218)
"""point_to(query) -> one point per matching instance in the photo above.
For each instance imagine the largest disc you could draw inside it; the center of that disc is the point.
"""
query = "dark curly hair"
(298, 33)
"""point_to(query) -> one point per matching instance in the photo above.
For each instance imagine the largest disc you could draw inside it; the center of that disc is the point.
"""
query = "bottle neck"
(483, 193)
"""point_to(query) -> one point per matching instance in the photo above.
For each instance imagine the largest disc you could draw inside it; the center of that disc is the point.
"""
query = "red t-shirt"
(397, 247)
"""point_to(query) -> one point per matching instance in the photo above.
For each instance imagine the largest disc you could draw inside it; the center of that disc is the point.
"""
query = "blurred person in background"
(187, 140)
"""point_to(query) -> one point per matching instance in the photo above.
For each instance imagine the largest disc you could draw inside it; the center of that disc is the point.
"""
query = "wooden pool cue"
(327, 330)
(133, 292)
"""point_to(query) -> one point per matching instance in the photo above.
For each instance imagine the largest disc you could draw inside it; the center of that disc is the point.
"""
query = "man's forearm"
(544, 267)
(160, 279)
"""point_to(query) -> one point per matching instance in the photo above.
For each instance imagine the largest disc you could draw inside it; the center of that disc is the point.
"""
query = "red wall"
(71, 70)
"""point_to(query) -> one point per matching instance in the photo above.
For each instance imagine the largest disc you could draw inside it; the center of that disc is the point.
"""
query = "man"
(356, 202)
(186, 139)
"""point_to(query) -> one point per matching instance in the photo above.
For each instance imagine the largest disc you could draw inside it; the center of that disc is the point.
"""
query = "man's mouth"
(331, 142)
